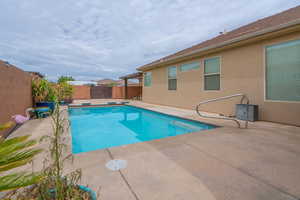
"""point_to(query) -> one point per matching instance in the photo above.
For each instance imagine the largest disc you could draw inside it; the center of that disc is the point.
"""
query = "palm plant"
(54, 184)
(14, 153)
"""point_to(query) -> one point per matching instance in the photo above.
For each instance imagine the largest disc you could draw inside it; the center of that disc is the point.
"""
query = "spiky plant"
(14, 153)
(56, 183)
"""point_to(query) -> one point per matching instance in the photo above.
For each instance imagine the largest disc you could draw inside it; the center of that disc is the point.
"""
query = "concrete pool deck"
(226, 163)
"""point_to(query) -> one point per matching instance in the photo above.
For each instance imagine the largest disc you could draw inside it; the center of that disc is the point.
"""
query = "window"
(212, 74)
(189, 66)
(172, 78)
(148, 79)
(283, 71)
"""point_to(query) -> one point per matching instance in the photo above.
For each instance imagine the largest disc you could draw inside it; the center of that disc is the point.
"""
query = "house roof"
(107, 81)
(111, 81)
(82, 82)
(38, 74)
(277, 21)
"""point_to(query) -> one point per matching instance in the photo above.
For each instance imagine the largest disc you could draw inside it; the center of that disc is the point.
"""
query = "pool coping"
(98, 105)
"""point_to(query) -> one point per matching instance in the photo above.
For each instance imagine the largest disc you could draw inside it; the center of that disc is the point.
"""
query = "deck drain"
(116, 165)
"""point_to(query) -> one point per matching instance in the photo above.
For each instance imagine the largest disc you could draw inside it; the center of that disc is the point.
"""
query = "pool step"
(185, 125)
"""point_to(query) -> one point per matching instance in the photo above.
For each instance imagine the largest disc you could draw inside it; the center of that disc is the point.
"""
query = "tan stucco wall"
(15, 92)
(118, 92)
(242, 71)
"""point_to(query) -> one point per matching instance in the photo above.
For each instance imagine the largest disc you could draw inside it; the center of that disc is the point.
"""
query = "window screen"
(212, 74)
(172, 78)
(283, 71)
(189, 66)
(148, 79)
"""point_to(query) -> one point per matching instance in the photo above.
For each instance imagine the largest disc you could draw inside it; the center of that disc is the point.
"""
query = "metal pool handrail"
(244, 97)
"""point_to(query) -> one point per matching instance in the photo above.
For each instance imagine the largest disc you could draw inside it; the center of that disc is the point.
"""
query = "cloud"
(92, 39)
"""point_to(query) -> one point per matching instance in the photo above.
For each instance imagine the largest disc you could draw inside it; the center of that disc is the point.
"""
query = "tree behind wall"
(62, 79)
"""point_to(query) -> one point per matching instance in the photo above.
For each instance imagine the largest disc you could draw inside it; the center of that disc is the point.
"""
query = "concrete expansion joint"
(123, 176)
(244, 172)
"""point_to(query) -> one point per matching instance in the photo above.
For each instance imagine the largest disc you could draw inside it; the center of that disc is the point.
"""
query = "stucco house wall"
(242, 71)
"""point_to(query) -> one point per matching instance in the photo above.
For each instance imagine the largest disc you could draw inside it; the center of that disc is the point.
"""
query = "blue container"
(91, 192)
(49, 104)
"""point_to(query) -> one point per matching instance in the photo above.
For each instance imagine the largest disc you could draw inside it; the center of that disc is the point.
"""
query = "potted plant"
(65, 92)
(44, 93)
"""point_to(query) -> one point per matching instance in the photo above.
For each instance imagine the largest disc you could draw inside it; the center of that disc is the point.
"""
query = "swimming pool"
(95, 128)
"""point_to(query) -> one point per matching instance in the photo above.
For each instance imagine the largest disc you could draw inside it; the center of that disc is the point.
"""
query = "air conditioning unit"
(247, 112)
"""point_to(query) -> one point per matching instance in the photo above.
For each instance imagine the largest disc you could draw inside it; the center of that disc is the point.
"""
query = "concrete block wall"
(15, 91)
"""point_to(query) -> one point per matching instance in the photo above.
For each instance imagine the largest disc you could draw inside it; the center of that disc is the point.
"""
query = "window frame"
(172, 78)
(220, 72)
(145, 79)
(265, 70)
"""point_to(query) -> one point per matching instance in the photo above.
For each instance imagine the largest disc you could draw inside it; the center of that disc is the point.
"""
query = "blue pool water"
(103, 127)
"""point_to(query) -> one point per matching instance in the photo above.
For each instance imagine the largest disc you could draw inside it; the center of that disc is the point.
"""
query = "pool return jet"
(242, 112)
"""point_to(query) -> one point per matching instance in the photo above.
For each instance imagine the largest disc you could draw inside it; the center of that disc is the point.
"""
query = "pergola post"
(137, 75)
(126, 88)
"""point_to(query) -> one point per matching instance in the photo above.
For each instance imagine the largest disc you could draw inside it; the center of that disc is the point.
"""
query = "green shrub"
(65, 79)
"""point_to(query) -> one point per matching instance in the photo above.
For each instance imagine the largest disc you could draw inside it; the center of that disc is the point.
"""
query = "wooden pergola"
(137, 75)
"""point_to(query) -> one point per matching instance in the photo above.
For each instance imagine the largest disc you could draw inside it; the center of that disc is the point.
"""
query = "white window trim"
(203, 71)
(172, 78)
(265, 71)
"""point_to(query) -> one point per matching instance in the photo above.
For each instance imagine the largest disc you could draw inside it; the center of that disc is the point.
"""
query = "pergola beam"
(136, 75)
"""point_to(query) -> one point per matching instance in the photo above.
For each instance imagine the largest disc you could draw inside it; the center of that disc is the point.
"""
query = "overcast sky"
(95, 39)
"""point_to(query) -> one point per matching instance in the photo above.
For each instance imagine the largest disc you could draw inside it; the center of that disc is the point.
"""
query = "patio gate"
(101, 92)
